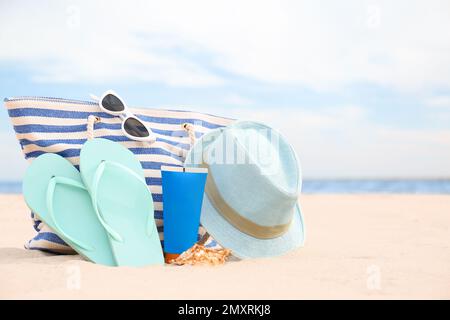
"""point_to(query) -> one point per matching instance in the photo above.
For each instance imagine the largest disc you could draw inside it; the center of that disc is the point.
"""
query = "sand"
(358, 246)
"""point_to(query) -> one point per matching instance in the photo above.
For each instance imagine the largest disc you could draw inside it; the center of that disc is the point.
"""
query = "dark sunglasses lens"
(112, 103)
(135, 128)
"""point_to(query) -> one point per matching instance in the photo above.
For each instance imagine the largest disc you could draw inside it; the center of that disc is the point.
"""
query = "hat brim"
(243, 245)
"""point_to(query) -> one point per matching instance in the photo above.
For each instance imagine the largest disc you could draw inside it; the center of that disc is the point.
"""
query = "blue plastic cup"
(182, 190)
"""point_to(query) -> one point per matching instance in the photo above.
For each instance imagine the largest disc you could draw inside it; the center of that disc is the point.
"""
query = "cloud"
(238, 100)
(326, 46)
(438, 102)
(323, 45)
(104, 46)
(438, 110)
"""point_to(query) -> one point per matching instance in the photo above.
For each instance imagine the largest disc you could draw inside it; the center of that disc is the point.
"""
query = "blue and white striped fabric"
(53, 125)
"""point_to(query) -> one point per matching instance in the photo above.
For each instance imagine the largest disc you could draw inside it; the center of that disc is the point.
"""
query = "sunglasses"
(132, 126)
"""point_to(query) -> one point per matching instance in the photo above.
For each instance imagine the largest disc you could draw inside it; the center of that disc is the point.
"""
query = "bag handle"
(189, 127)
(91, 121)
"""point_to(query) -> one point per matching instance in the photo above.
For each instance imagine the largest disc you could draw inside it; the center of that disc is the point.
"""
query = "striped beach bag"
(61, 126)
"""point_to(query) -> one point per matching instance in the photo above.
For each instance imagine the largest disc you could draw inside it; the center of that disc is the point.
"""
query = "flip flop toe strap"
(94, 195)
(50, 194)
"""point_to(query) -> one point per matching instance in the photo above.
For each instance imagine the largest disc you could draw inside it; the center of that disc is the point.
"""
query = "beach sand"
(358, 246)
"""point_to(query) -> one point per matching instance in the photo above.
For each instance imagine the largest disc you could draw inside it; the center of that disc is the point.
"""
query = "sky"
(361, 89)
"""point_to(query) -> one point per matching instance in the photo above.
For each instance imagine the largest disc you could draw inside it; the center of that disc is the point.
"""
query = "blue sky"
(360, 88)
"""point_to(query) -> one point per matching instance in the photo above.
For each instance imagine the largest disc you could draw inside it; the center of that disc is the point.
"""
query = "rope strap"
(191, 132)
(92, 120)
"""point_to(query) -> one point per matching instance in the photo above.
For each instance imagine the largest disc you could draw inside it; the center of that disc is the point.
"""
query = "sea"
(341, 186)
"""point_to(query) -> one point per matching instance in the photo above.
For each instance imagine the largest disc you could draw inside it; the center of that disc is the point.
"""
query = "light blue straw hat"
(251, 195)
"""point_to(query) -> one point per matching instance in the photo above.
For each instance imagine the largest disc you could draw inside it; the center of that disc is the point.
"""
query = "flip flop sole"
(71, 214)
(125, 204)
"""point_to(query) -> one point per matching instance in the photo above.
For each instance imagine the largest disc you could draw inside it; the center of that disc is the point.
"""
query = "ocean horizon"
(337, 186)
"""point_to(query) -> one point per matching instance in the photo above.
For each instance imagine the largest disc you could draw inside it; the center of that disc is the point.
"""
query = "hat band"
(241, 223)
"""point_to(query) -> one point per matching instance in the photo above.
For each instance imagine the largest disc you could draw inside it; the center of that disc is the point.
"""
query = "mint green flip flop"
(122, 200)
(54, 190)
